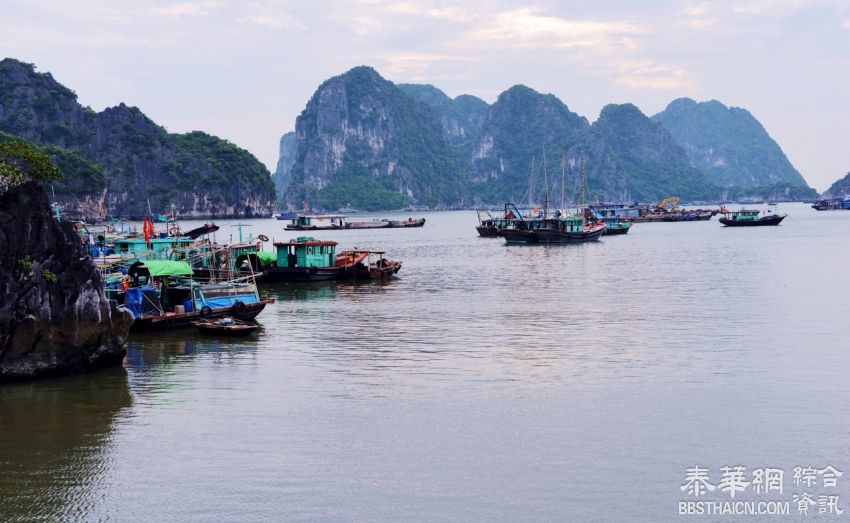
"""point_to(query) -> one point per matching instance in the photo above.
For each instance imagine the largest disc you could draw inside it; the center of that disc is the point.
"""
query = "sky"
(245, 70)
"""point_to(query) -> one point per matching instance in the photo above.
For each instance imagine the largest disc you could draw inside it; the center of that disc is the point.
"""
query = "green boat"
(751, 218)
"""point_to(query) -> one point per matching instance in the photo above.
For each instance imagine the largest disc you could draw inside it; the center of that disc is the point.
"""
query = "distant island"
(120, 163)
(840, 188)
(365, 142)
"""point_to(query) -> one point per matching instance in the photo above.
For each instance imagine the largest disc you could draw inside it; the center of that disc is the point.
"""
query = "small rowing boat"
(226, 326)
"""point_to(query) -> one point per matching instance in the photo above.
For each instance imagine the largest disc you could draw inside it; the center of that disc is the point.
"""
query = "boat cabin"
(306, 251)
(322, 221)
(157, 245)
(746, 215)
(571, 223)
(622, 212)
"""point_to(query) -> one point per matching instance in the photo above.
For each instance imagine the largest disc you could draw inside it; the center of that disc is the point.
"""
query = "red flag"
(146, 230)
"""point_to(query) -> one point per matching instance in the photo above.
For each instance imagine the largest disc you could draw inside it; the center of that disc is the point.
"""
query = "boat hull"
(291, 274)
(518, 235)
(769, 220)
(173, 320)
(555, 236)
(487, 232)
(616, 230)
(401, 224)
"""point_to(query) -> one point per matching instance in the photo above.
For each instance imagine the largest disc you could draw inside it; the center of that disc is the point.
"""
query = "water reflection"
(56, 445)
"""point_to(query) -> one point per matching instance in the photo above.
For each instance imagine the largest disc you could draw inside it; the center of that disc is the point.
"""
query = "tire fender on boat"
(239, 307)
(206, 310)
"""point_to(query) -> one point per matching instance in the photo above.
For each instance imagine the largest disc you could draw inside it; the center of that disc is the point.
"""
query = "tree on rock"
(21, 161)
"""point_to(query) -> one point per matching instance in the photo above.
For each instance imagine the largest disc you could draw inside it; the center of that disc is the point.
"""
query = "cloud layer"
(244, 70)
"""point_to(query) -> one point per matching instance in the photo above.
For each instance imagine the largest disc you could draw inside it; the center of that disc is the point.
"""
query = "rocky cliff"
(286, 160)
(130, 159)
(839, 189)
(629, 157)
(362, 141)
(519, 126)
(728, 144)
(461, 118)
(362, 136)
(54, 316)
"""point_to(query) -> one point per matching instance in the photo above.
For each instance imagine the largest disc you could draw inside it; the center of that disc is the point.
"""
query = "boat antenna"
(240, 225)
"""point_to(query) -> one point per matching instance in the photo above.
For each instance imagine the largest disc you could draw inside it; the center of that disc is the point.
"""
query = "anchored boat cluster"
(170, 279)
(589, 223)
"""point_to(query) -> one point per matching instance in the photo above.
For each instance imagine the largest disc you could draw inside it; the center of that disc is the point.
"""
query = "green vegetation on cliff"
(21, 161)
(117, 160)
(370, 145)
(365, 141)
(840, 188)
(728, 144)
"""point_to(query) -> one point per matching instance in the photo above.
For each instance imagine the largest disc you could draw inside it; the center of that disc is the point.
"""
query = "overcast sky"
(245, 70)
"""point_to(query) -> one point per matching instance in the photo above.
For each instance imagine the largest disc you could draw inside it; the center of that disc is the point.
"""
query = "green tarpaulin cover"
(266, 258)
(168, 268)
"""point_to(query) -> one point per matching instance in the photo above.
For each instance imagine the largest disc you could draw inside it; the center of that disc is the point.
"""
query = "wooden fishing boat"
(614, 226)
(562, 228)
(303, 259)
(568, 229)
(832, 204)
(161, 294)
(367, 265)
(488, 225)
(751, 218)
(226, 326)
(338, 222)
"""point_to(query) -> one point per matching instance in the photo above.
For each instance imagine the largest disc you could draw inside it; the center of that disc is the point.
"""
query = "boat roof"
(243, 245)
(164, 267)
(322, 216)
(361, 251)
(311, 242)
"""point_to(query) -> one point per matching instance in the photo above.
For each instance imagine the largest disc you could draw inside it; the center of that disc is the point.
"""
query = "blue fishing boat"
(161, 294)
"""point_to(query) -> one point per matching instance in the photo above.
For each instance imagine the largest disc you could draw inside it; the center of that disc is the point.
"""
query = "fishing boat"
(303, 259)
(308, 259)
(367, 265)
(832, 204)
(751, 218)
(615, 226)
(488, 225)
(338, 222)
(161, 294)
(542, 228)
(568, 229)
(286, 215)
(226, 326)
(309, 222)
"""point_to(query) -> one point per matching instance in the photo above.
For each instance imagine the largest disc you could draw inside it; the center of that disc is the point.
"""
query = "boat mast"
(545, 186)
(531, 185)
(583, 182)
(563, 167)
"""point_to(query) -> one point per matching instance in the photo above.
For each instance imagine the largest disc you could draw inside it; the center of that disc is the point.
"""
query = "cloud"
(113, 39)
(775, 7)
(412, 65)
(204, 8)
(846, 24)
(696, 15)
(648, 74)
(275, 21)
(526, 28)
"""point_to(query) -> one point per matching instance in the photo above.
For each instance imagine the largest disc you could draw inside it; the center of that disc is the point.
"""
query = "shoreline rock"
(54, 315)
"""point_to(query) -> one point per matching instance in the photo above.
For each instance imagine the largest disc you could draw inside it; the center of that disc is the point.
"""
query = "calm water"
(488, 382)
